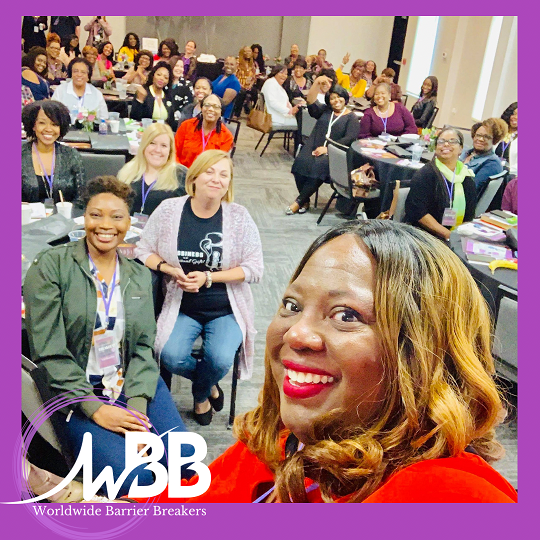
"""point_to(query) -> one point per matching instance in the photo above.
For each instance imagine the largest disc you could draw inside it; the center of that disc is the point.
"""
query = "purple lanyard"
(145, 194)
(50, 179)
(505, 146)
(385, 120)
(450, 190)
(205, 142)
(107, 299)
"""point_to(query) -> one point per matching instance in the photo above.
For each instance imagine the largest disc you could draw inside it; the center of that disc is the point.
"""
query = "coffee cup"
(64, 209)
(26, 213)
(115, 125)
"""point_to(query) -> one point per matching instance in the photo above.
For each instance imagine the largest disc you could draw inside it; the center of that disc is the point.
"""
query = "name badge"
(36, 28)
(142, 219)
(49, 206)
(106, 349)
(449, 217)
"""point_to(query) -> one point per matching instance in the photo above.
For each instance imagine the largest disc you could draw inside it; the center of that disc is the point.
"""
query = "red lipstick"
(302, 390)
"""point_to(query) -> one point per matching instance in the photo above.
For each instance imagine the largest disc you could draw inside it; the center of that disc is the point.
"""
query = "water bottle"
(416, 151)
(103, 127)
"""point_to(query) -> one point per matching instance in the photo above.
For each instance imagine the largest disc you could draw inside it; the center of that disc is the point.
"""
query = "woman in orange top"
(379, 381)
(204, 132)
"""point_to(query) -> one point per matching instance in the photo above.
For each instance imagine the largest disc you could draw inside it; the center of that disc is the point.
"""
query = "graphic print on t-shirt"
(211, 255)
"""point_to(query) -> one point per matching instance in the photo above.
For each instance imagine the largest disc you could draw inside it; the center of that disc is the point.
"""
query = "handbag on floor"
(363, 180)
(259, 118)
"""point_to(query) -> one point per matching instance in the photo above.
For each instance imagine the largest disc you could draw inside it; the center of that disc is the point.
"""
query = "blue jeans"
(221, 336)
(108, 447)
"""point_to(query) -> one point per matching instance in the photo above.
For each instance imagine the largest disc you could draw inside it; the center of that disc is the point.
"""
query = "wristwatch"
(208, 279)
(158, 267)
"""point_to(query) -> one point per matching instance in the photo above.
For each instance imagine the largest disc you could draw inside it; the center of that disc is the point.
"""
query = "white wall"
(367, 38)
(118, 27)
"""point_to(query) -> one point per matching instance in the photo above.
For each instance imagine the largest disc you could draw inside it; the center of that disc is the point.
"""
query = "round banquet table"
(488, 283)
(386, 171)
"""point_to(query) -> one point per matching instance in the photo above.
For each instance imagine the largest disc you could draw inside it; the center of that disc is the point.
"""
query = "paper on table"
(372, 151)
(38, 210)
(409, 163)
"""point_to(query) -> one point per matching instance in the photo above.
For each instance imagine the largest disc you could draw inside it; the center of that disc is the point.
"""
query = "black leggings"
(306, 187)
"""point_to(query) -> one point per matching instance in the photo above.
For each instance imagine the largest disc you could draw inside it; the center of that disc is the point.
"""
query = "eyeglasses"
(211, 106)
(483, 137)
(450, 142)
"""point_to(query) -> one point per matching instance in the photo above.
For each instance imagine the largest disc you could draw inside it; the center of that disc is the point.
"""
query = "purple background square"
(242, 521)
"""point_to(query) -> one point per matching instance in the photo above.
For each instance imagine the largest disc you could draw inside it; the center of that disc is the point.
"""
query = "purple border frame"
(238, 521)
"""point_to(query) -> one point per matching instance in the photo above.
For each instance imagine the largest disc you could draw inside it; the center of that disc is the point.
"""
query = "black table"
(386, 171)
(210, 71)
(488, 283)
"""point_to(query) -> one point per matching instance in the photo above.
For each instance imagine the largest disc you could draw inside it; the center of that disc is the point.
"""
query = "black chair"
(288, 134)
(342, 184)
(494, 187)
(505, 340)
(102, 164)
(404, 99)
(234, 128)
(432, 117)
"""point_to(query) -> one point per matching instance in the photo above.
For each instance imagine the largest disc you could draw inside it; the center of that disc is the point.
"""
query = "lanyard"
(385, 119)
(81, 100)
(330, 124)
(205, 142)
(145, 194)
(107, 299)
(450, 190)
(506, 145)
(50, 179)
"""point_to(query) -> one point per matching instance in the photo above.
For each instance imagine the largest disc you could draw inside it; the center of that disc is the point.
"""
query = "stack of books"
(500, 218)
(482, 252)
(480, 230)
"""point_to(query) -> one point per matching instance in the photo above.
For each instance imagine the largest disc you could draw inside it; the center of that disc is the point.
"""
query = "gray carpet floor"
(265, 186)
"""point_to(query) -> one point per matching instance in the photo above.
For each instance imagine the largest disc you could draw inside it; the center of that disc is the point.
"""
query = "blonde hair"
(134, 170)
(434, 332)
(201, 164)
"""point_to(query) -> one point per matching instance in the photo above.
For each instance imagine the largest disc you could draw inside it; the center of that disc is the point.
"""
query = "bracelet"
(158, 267)
(208, 279)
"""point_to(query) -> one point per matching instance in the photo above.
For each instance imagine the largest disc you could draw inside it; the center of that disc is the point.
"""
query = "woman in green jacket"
(91, 327)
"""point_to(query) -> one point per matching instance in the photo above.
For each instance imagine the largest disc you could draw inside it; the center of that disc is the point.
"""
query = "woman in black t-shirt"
(154, 174)
(209, 250)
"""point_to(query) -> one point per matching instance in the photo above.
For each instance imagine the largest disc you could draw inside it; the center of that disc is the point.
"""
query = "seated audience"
(386, 116)
(292, 58)
(510, 197)
(130, 47)
(319, 62)
(104, 353)
(334, 123)
(481, 158)
(423, 108)
(189, 60)
(201, 89)
(387, 76)
(26, 96)
(97, 73)
(218, 303)
(153, 99)
(98, 30)
(138, 74)
(353, 83)
(153, 173)
(33, 32)
(277, 101)
(34, 73)
(258, 57)
(370, 73)
(227, 86)
(204, 132)
(370, 394)
(79, 94)
(181, 93)
(70, 50)
(298, 83)
(106, 60)
(247, 75)
(166, 49)
(507, 148)
(49, 167)
(56, 70)
(442, 194)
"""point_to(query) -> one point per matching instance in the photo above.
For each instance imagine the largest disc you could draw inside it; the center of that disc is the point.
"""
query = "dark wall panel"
(222, 36)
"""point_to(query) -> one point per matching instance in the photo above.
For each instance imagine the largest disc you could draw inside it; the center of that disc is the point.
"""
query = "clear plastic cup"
(146, 122)
(115, 125)
(75, 236)
(114, 116)
(26, 213)
(64, 209)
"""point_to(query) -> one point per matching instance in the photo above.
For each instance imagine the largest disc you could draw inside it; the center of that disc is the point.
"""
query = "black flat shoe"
(218, 402)
(203, 419)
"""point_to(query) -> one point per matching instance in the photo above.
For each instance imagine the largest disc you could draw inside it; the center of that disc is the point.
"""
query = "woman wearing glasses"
(481, 158)
(443, 194)
(204, 132)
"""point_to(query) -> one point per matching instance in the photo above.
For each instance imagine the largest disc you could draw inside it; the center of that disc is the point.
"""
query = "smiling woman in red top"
(379, 381)
(204, 132)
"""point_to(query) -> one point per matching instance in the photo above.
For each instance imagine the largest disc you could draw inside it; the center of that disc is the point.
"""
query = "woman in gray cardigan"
(47, 166)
